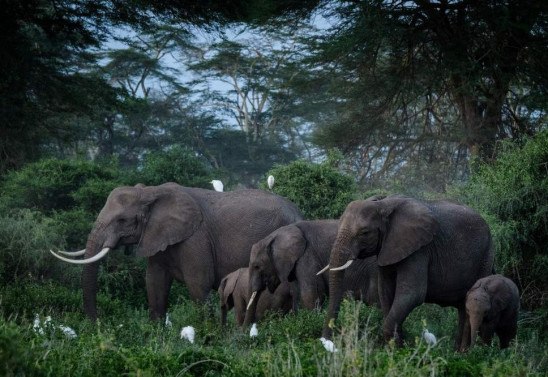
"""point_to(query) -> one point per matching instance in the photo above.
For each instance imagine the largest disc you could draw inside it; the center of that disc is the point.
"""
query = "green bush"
(25, 238)
(512, 194)
(319, 190)
(178, 165)
(53, 185)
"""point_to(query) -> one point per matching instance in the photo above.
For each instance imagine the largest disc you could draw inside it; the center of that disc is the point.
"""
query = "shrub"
(319, 190)
(512, 194)
(53, 185)
(178, 165)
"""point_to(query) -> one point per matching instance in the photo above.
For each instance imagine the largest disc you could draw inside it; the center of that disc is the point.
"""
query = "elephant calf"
(234, 289)
(492, 306)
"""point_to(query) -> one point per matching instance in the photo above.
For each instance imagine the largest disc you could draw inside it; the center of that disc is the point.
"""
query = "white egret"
(328, 345)
(270, 181)
(217, 185)
(429, 338)
(36, 326)
(69, 333)
(168, 322)
(253, 332)
(188, 333)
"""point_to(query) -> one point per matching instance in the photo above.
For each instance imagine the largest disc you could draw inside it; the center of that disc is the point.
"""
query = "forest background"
(338, 100)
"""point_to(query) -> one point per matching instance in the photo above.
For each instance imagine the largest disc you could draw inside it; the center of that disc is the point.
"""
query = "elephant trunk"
(339, 256)
(475, 322)
(90, 273)
(251, 312)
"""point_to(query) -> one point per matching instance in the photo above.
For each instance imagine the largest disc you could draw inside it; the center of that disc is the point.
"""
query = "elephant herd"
(255, 248)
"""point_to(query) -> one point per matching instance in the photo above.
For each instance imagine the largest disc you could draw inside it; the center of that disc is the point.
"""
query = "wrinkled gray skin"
(295, 253)
(192, 235)
(427, 252)
(492, 307)
(234, 293)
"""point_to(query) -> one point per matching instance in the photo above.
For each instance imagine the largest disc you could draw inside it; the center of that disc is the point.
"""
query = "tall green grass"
(125, 342)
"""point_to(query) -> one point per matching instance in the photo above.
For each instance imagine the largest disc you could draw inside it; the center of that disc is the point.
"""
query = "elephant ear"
(285, 250)
(171, 216)
(227, 286)
(410, 226)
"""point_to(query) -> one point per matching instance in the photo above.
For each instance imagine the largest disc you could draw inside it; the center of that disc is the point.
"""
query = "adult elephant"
(294, 253)
(426, 252)
(192, 235)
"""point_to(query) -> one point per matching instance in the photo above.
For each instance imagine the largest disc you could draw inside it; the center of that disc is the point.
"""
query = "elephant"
(193, 235)
(426, 251)
(293, 254)
(233, 293)
(492, 306)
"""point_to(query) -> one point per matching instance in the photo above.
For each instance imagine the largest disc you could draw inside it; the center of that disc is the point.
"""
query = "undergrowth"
(125, 342)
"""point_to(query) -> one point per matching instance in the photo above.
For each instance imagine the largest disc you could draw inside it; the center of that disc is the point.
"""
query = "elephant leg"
(239, 310)
(387, 289)
(158, 283)
(506, 334)
(487, 331)
(410, 293)
(462, 339)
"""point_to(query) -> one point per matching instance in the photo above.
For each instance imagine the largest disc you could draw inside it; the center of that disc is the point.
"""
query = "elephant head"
(226, 290)
(152, 217)
(391, 228)
(273, 260)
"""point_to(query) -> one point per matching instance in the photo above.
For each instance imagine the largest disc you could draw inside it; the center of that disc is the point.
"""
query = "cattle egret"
(328, 345)
(36, 326)
(270, 181)
(253, 332)
(168, 322)
(69, 333)
(429, 338)
(217, 185)
(188, 333)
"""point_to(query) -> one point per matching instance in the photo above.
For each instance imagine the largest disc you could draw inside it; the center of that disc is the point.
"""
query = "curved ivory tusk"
(84, 261)
(322, 270)
(344, 266)
(72, 253)
(251, 300)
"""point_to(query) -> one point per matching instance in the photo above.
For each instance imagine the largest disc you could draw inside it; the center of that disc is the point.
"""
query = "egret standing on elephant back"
(192, 235)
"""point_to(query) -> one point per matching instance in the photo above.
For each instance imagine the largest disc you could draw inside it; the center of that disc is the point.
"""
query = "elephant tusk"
(84, 261)
(344, 266)
(322, 270)
(251, 300)
(72, 253)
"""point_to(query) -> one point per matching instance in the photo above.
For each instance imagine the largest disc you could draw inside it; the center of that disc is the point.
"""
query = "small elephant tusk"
(322, 270)
(344, 266)
(84, 261)
(251, 300)
(72, 253)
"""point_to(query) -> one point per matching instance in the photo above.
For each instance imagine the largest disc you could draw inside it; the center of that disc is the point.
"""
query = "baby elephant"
(234, 293)
(492, 306)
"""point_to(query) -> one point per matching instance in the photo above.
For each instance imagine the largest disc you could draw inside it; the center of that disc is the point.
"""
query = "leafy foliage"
(319, 190)
(178, 165)
(512, 193)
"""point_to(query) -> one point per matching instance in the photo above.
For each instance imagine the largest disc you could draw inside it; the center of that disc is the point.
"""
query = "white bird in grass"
(36, 326)
(69, 333)
(217, 185)
(429, 338)
(328, 345)
(188, 333)
(168, 322)
(253, 332)
(270, 181)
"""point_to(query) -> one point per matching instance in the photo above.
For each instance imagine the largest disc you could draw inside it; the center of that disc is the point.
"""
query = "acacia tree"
(445, 77)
